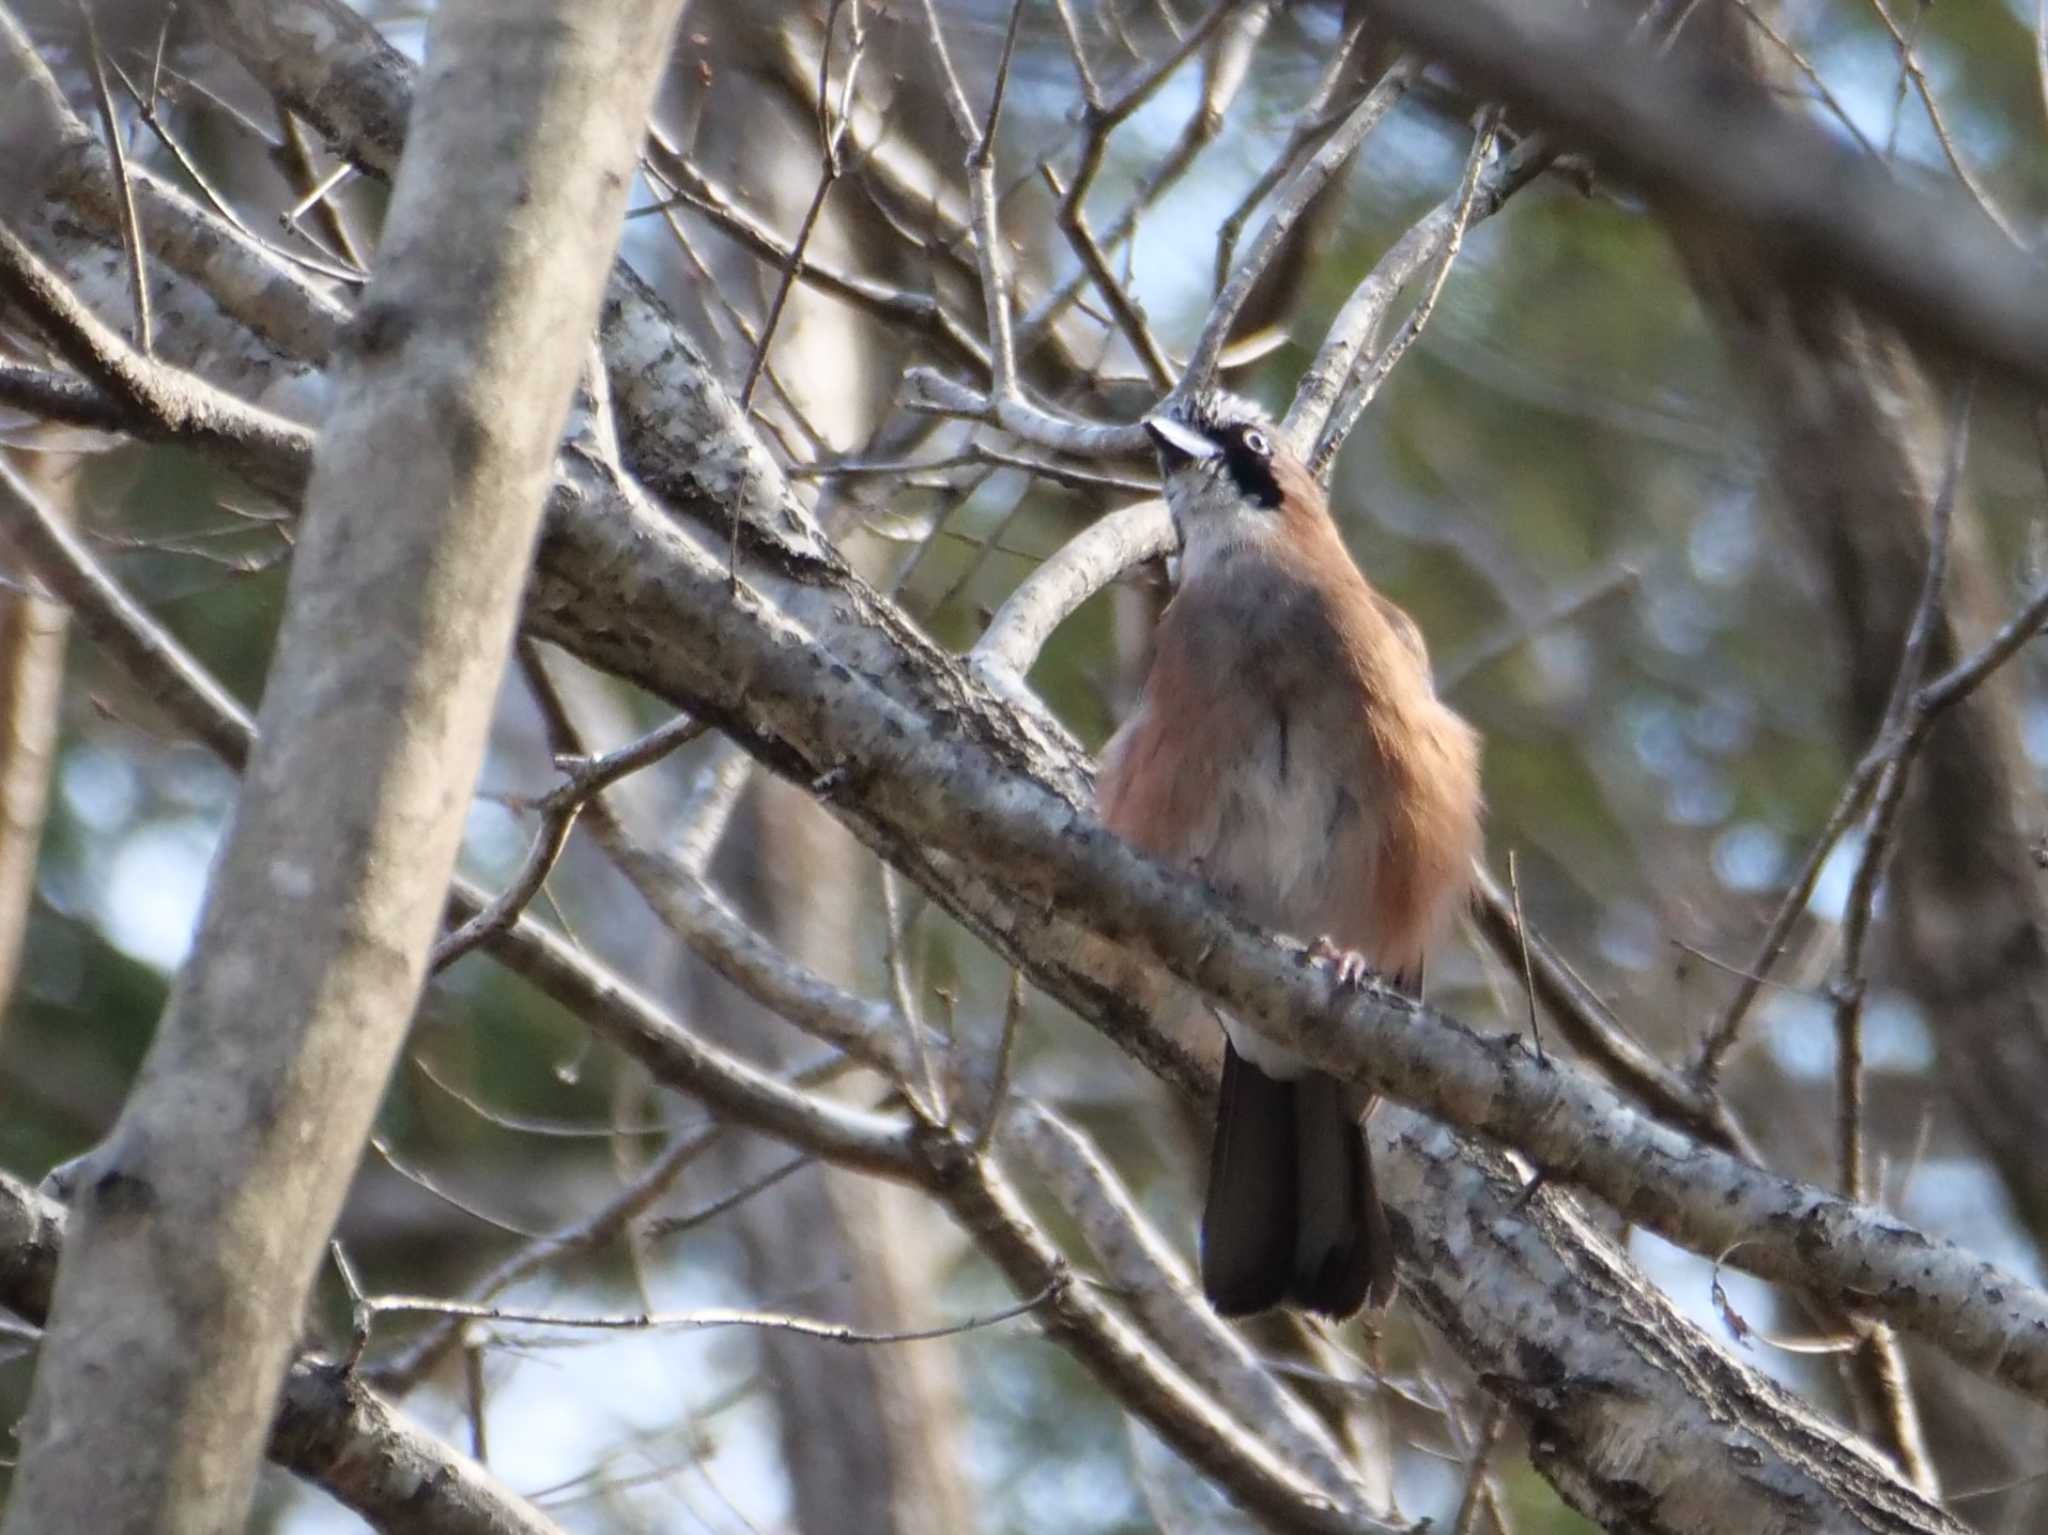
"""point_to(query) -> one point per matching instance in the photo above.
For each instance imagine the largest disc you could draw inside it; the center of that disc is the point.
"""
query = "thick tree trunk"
(199, 1224)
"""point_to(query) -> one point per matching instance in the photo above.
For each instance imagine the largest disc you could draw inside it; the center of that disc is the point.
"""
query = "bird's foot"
(1352, 970)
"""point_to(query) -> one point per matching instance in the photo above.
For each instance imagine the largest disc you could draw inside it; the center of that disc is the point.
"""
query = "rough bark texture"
(1588, 1372)
(201, 1220)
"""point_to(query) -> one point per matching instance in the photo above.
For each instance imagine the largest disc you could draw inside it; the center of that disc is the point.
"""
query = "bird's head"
(1229, 476)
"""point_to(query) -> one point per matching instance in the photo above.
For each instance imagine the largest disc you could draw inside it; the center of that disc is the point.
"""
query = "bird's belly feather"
(1268, 803)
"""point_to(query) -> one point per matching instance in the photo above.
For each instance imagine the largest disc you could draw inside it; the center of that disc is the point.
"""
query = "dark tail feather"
(1248, 1222)
(1291, 1214)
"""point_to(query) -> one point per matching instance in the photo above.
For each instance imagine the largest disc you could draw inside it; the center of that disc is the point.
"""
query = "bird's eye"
(1256, 444)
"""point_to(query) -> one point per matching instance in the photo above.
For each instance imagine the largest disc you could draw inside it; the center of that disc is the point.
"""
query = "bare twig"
(1913, 709)
(1336, 388)
(1315, 119)
(1804, 65)
(975, 454)
(834, 136)
(693, 189)
(732, 1199)
(317, 191)
(692, 1321)
(1073, 222)
(601, 1226)
(558, 812)
(985, 1082)
(895, 934)
(1102, 115)
(131, 226)
(1366, 373)
(1528, 970)
(1909, 64)
(1850, 982)
(1330, 157)
(979, 136)
(1478, 1490)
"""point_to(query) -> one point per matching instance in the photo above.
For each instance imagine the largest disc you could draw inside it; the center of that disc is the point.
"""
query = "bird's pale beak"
(1178, 444)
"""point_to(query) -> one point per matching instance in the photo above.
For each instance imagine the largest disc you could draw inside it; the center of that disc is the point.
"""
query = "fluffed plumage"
(1289, 746)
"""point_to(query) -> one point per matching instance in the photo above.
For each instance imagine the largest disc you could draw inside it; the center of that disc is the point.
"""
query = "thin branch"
(1528, 969)
(977, 454)
(352, 274)
(113, 620)
(131, 226)
(1850, 982)
(926, 389)
(980, 165)
(894, 935)
(596, 1230)
(316, 191)
(1311, 123)
(1909, 63)
(273, 452)
(1103, 116)
(558, 811)
(427, 1183)
(1800, 62)
(1073, 222)
(701, 194)
(690, 1220)
(703, 1319)
(1156, 1285)
(1324, 407)
(1479, 1478)
(834, 136)
(1330, 157)
(1365, 375)
(1084, 565)
(1908, 717)
(1510, 637)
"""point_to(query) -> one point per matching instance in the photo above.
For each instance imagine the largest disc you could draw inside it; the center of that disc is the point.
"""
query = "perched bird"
(1290, 748)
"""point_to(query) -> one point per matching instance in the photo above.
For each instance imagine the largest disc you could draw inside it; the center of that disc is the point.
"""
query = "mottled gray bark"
(199, 1223)
(1589, 1370)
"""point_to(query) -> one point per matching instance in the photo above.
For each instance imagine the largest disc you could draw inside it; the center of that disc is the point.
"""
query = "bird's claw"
(1352, 969)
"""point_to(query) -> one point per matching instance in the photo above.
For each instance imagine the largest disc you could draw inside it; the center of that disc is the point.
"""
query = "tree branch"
(200, 1221)
(330, 1429)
